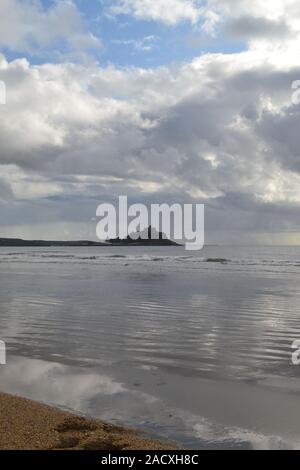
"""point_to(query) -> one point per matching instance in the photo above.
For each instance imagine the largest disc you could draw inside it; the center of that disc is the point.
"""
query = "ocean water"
(191, 347)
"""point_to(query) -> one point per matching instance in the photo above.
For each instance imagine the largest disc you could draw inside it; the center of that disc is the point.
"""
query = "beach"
(28, 425)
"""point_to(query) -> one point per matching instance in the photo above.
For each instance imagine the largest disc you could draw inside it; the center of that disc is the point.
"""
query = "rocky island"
(148, 237)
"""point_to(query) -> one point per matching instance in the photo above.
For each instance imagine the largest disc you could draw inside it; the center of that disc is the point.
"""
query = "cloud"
(220, 130)
(280, 131)
(146, 44)
(247, 27)
(27, 26)
(169, 12)
(238, 18)
(6, 192)
(256, 20)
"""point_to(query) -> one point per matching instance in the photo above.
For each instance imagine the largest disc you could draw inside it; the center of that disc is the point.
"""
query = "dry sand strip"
(26, 425)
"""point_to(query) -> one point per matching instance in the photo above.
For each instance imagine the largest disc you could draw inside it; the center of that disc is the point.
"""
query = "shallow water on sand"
(193, 347)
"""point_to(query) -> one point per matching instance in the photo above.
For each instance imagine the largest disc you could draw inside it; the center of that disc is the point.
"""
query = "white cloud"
(169, 12)
(25, 25)
(146, 44)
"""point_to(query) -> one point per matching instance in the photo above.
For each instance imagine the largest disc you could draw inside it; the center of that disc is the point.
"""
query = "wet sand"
(27, 425)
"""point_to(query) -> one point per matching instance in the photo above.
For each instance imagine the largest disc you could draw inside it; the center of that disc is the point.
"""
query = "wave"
(187, 260)
(217, 260)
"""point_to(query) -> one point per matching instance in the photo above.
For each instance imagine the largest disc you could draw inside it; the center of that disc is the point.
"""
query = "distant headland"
(18, 242)
(138, 239)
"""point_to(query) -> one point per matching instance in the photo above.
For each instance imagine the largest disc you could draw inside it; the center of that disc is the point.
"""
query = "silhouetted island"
(148, 237)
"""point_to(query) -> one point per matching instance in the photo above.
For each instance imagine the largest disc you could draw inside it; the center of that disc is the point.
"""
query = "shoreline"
(29, 425)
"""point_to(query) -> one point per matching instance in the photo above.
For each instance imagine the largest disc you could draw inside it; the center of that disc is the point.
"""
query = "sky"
(187, 101)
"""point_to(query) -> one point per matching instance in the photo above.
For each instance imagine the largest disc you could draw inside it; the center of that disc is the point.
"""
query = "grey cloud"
(280, 130)
(6, 192)
(202, 132)
(248, 27)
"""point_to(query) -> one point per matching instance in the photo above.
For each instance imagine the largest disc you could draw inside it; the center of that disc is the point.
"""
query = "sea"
(193, 348)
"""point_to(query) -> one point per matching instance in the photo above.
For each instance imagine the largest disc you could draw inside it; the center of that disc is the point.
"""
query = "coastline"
(28, 425)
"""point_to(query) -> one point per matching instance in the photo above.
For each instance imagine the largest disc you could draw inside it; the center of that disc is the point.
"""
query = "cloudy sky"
(160, 100)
